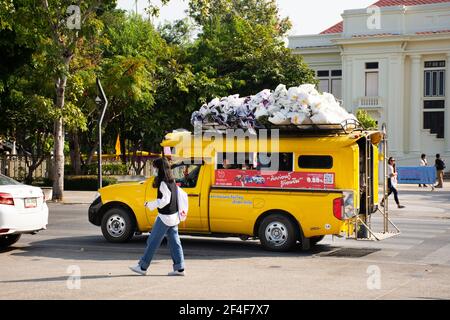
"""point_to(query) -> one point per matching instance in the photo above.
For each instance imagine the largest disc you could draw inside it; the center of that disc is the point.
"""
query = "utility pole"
(99, 100)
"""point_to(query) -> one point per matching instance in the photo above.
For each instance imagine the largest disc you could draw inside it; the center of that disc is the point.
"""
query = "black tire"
(315, 240)
(118, 226)
(278, 233)
(9, 240)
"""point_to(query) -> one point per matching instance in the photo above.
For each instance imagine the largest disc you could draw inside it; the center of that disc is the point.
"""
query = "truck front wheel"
(277, 233)
(117, 225)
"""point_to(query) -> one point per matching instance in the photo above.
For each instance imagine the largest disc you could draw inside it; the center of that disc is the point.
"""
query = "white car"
(22, 210)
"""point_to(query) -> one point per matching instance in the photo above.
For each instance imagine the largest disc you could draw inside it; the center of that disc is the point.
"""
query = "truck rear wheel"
(316, 240)
(118, 225)
(277, 233)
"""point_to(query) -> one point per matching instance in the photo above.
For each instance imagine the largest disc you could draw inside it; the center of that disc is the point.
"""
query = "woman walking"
(392, 182)
(166, 223)
(423, 163)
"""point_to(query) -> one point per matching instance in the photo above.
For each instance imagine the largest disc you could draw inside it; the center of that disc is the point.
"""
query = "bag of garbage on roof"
(302, 105)
(279, 119)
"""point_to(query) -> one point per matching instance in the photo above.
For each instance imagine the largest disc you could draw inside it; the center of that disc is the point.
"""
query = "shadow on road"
(95, 248)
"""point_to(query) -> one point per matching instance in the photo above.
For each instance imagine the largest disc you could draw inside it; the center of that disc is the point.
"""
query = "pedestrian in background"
(440, 167)
(423, 163)
(392, 183)
(166, 223)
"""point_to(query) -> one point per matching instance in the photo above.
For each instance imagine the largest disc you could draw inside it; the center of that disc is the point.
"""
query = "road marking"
(439, 256)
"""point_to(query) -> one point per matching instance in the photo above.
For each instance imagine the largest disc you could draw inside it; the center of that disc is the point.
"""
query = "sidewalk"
(415, 187)
(78, 197)
(86, 197)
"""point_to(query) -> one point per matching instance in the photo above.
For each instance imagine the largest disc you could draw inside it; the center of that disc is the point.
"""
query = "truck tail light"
(338, 208)
(6, 199)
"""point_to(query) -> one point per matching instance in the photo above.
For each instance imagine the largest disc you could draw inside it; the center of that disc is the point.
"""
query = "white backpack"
(183, 203)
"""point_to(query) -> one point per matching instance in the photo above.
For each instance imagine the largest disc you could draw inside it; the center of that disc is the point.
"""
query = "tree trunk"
(75, 155)
(58, 134)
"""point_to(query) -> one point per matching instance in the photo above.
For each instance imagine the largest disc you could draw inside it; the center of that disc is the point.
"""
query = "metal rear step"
(364, 231)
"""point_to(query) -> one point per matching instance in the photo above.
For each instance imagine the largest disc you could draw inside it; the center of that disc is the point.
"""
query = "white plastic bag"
(183, 204)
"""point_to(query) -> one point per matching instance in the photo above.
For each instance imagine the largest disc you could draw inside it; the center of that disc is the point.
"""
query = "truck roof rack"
(343, 128)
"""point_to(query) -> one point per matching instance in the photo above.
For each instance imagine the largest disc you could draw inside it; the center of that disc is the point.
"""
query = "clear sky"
(307, 16)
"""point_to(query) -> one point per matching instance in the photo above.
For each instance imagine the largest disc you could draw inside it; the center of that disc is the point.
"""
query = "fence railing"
(18, 167)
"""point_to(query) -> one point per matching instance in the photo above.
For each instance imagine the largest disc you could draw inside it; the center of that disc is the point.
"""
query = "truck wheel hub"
(276, 233)
(116, 226)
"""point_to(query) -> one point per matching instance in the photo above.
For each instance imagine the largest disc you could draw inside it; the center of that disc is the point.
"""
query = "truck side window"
(231, 161)
(186, 175)
(285, 161)
(315, 162)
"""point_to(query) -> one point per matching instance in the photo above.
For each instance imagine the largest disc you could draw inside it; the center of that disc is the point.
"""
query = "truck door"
(190, 178)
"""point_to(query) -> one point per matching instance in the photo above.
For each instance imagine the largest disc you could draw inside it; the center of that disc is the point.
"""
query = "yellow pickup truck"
(325, 183)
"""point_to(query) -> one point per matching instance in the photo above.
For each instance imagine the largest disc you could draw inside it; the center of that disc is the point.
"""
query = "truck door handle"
(195, 196)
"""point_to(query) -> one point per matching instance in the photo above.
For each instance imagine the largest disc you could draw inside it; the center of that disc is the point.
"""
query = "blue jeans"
(159, 230)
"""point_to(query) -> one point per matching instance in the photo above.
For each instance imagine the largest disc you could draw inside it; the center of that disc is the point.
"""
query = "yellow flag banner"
(118, 151)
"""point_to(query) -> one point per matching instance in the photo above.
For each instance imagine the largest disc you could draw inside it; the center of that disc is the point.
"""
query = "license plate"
(30, 203)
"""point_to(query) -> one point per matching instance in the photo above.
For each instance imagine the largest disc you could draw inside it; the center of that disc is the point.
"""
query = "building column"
(347, 78)
(447, 105)
(415, 105)
(395, 101)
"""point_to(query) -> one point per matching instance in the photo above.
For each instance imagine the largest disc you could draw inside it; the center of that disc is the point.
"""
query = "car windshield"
(5, 181)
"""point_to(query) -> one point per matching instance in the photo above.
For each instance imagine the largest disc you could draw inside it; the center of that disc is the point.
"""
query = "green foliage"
(366, 120)
(86, 183)
(154, 78)
(42, 182)
(241, 48)
(108, 169)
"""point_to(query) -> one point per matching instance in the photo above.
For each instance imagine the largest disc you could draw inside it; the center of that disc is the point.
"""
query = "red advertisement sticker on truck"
(289, 180)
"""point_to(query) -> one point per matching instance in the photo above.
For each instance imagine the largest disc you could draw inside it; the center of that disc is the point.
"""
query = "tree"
(58, 30)
(366, 120)
(241, 48)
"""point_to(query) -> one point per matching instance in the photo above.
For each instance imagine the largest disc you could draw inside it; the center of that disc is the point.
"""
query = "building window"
(434, 83)
(371, 65)
(435, 64)
(434, 98)
(434, 121)
(330, 81)
(372, 84)
(371, 79)
(324, 85)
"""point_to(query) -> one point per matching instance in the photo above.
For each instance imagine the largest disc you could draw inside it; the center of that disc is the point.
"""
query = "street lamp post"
(99, 101)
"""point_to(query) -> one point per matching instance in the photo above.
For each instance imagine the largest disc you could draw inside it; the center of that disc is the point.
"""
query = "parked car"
(23, 210)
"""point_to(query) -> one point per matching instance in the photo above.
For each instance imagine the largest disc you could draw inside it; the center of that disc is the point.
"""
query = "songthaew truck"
(289, 187)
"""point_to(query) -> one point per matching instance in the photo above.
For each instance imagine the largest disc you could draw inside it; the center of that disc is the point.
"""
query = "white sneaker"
(138, 270)
(176, 274)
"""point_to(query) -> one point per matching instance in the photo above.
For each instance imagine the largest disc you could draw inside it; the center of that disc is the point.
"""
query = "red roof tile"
(339, 27)
(432, 32)
(374, 35)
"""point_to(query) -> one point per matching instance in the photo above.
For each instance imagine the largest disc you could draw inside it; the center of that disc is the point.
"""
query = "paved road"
(415, 265)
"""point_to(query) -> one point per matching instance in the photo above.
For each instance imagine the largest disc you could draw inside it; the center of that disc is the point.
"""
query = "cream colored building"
(393, 60)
